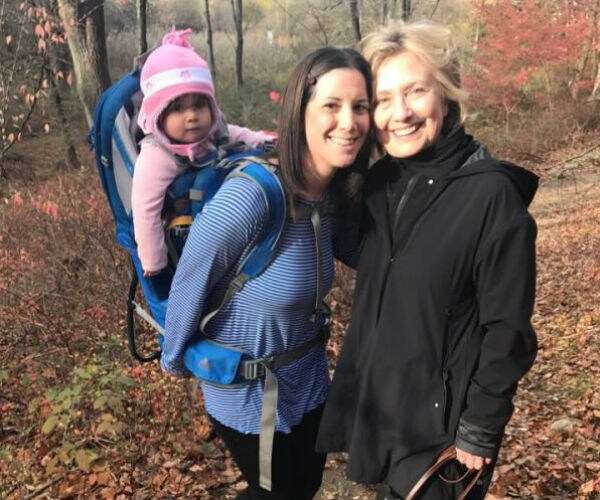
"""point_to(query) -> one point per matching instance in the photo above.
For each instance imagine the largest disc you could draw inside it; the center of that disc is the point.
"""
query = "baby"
(183, 124)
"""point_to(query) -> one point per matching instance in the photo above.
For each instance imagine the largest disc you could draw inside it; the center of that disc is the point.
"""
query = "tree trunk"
(596, 85)
(54, 55)
(141, 25)
(355, 19)
(71, 157)
(89, 56)
(589, 59)
(236, 7)
(406, 10)
(384, 11)
(209, 42)
(95, 40)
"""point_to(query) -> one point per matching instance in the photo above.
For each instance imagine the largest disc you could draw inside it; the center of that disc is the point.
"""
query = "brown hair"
(292, 148)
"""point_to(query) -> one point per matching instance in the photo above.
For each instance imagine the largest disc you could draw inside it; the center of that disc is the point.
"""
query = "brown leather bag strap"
(446, 456)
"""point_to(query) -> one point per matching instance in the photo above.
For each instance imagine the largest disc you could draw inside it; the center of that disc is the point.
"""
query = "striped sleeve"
(218, 238)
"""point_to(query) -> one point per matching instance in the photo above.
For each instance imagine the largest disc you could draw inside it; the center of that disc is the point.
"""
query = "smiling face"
(336, 121)
(187, 119)
(409, 105)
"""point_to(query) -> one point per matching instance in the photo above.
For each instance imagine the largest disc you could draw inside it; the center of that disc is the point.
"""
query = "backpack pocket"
(213, 362)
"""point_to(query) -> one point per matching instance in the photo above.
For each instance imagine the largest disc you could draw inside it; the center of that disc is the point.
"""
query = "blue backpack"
(114, 137)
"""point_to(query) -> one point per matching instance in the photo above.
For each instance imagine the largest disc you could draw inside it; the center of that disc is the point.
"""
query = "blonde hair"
(429, 41)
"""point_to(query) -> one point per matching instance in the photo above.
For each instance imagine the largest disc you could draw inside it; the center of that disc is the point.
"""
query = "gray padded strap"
(315, 219)
(235, 286)
(141, 312)
(196, 194)
(267, 429)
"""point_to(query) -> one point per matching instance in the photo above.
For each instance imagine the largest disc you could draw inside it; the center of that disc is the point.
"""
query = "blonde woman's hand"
(471, 461)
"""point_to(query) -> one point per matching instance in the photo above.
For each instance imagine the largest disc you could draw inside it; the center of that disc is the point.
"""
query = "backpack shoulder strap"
(264, 174)
(260, 256)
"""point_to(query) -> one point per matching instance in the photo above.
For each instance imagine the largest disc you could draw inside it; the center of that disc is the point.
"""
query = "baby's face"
(187, 119)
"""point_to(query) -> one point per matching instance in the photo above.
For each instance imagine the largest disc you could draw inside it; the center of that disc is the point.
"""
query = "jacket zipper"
(445, 391)
(384, 286)
(445, 357)
(402, 203)
(399, 209)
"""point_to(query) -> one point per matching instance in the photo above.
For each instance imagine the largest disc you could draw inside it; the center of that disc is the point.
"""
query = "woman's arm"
(347, 236)
(218, 237)
(505, 280)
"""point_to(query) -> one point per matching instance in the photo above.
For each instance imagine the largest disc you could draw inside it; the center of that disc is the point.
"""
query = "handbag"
(446, 456)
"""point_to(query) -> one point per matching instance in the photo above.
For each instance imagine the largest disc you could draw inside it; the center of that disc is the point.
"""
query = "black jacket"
(440, 332)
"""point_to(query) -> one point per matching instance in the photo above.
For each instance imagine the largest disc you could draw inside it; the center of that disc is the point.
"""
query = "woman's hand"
(471, 461)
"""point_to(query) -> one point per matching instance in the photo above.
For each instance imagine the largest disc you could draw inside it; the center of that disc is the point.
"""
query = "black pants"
(297, 469)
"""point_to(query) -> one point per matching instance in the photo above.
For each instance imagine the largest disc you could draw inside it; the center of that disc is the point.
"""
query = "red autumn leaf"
(17, 199)
(39, 30)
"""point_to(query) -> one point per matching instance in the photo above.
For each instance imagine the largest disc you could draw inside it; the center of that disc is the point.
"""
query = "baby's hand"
(150, 273)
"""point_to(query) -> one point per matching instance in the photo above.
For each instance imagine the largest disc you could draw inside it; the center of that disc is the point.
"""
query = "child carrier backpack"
(114, 137)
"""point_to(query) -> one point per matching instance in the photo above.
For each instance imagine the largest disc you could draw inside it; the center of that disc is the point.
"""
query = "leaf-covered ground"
(79, 419)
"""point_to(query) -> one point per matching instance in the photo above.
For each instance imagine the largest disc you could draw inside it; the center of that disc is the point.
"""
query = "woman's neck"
(316, 183)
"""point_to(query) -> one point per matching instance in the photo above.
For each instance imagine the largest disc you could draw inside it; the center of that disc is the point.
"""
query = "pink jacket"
(154, 171)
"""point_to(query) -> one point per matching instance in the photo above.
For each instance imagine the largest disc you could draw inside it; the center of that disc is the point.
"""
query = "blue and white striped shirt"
(270, 315)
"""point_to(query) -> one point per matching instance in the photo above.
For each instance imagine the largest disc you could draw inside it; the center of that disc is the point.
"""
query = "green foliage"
(96, 394)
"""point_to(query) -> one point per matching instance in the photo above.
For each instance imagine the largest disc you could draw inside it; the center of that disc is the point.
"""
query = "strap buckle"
(257, 368)
(323, 311)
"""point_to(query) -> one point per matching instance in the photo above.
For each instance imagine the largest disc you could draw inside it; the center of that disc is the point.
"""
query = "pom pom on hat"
(170, 71)
(180, 38)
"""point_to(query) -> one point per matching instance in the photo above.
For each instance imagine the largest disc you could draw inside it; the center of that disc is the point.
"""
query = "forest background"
(80, 419)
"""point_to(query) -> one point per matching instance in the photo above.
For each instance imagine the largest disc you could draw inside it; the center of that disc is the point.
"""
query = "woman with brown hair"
(324, 123)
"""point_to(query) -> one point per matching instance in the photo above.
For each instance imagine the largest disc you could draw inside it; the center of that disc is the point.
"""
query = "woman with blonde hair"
(440, 332)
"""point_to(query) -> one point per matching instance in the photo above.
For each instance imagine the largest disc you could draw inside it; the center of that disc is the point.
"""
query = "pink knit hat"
(170, 71)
